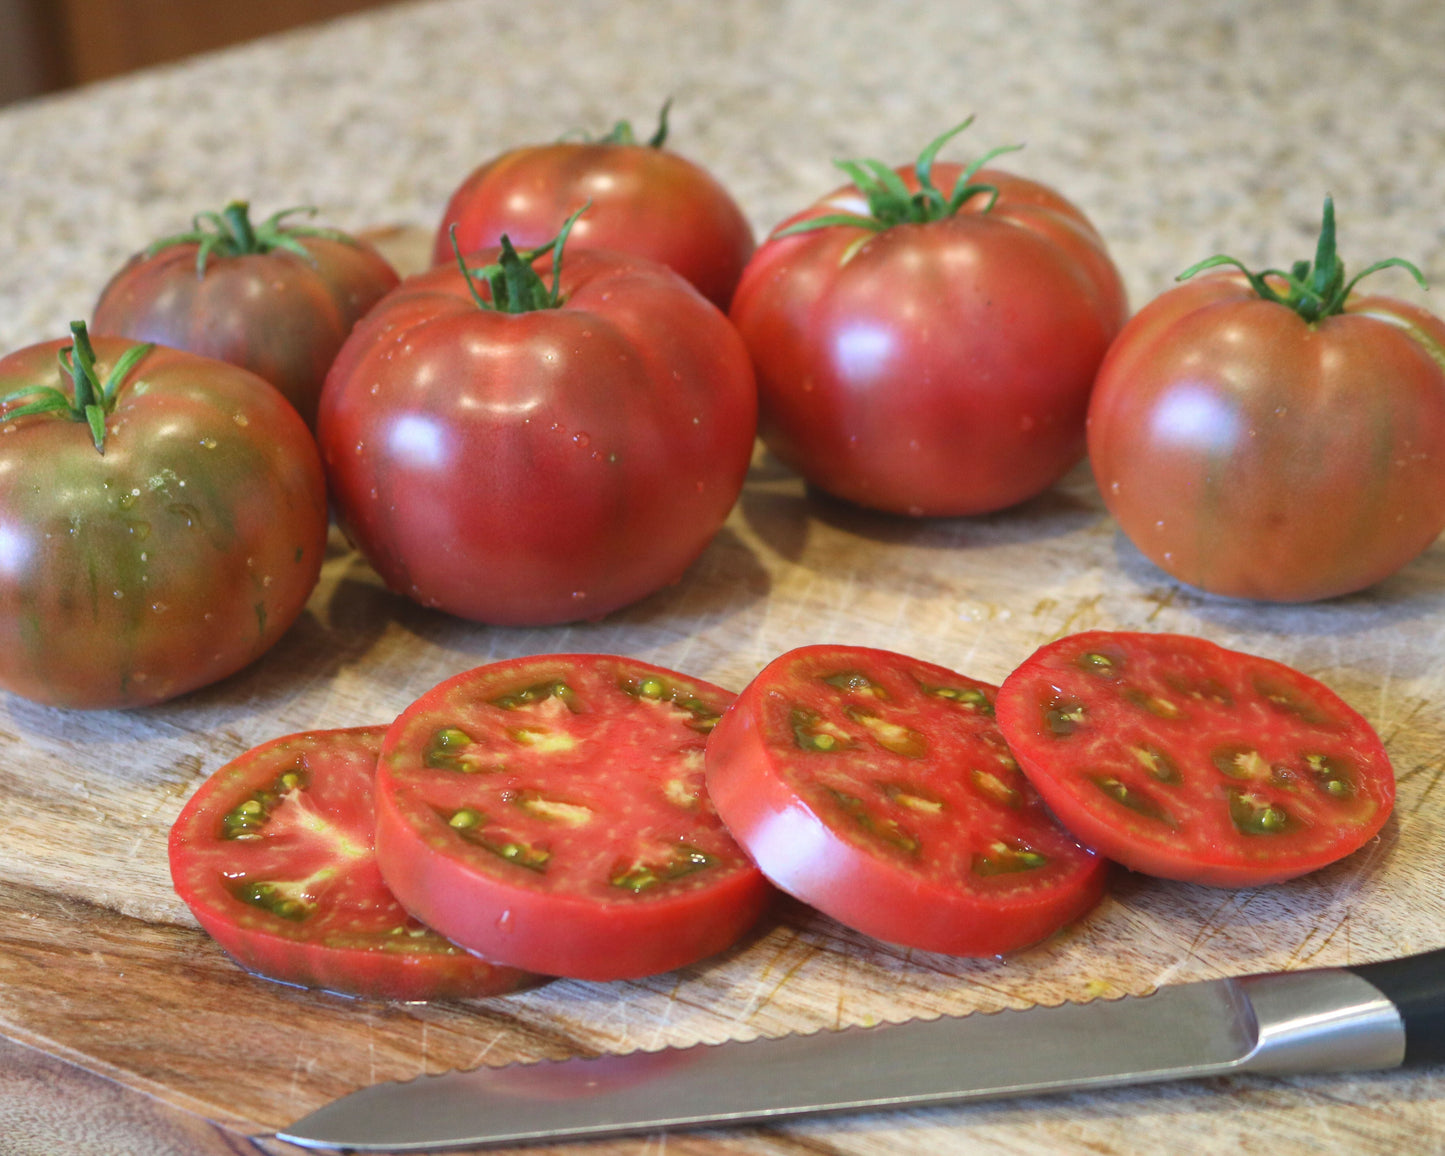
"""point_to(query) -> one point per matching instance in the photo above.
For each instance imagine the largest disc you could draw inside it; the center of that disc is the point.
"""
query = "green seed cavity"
(639, 876)
(1136, 801)
(1008, 859)
(1255, 815)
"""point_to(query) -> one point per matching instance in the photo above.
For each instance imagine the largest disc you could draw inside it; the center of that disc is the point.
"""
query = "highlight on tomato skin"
(549, 812)
(1275, 436)
(878, 789)
(1180, 759)
(273, 854)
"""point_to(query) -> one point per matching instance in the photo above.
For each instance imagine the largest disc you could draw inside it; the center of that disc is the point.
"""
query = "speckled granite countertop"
(1179, 129)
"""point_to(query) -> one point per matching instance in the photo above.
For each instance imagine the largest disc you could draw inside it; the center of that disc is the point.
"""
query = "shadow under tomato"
(780, 507)
(725, 579)
(1415, 593)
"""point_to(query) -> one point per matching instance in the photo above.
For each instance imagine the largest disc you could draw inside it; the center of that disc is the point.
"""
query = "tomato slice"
(878, 788)
(1181, 759)
(549, 813)
(273, 855)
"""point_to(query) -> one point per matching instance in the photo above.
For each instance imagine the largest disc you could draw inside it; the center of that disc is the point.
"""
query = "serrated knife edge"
(1331, 1019)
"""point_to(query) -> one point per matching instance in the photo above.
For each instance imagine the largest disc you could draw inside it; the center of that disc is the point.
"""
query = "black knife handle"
(1416, 986)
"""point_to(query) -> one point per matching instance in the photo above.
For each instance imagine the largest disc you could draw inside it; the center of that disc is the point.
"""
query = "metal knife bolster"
(1327, 1020)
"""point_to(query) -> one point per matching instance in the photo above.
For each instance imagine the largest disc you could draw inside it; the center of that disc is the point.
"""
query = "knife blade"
(1373, 1016)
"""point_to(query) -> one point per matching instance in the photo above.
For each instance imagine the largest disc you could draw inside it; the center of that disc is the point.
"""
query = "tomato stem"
(91, 399)
(891, 203)
(1314, 291)
(513, 285)
(622, 131)
(230, 233)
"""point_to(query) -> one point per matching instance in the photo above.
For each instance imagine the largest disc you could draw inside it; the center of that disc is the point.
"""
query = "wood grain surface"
(101, 966)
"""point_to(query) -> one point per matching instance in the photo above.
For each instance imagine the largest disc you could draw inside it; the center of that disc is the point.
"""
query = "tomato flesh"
(878, 789)
(1178, 758)
(549, 812)
(273, 855)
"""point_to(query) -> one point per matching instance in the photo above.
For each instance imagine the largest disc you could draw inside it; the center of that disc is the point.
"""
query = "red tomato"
(1255, 439)
(273, 855)
(162, 521)
(549, 812)
(925, 354)
(645, 199)
(878, 789)
(273, 298)
(1178, 758)
(541, 466)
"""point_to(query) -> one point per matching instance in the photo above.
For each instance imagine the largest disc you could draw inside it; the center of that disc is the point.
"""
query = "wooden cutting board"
(102, 965)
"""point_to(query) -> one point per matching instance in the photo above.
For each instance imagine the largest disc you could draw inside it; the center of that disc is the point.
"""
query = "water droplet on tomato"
(578, 595)
(117, 594)
(241, 420)
(159, 607)
(504, 922)
(209, 443)
(701, 486)
(582, 439)
(1114, 487)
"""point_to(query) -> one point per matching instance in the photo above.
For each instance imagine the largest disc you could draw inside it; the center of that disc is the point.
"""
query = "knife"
(1377, 1015)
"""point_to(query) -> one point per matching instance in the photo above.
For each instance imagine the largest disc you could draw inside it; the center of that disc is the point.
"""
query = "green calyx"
(622, 131)
(514, 286)
(230, 233)
(890, 202)
(91, 400)
(1314, 291)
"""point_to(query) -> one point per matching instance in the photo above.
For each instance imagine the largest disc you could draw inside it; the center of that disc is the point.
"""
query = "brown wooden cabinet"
(51, 44)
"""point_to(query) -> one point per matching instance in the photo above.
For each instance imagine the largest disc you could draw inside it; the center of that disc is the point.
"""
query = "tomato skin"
(534, 468)
(357, 940)
(1254, 455)
(919, 886)
(274, 313)
(627, 781)
(175, 558)
(941, 368)
(643, 200)
(1214, 725)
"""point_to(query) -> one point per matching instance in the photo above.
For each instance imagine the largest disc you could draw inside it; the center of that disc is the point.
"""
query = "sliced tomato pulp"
(549, 812)
(273, 855)
(878, 789)
(1181, 759)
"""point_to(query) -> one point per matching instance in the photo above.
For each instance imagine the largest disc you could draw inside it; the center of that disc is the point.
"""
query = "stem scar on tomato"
(1314, 291)
(516, 287)
(91, 400)
(891, 203)
(230, 233)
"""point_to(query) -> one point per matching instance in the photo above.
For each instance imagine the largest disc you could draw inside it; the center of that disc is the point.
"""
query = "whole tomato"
(273, 298)
(523, 454)
(162, 521)
(645, 199)
(925, 339)
(1275, 436)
